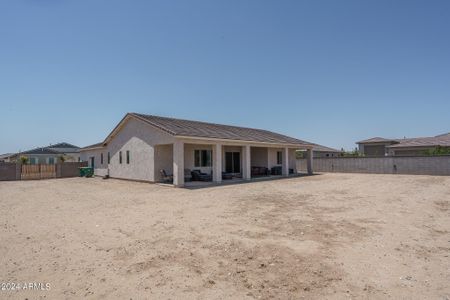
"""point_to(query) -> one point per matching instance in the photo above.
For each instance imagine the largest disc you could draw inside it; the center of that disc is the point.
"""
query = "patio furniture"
(164, 177)
(276, 170)
(187, 175)
(260, 171)
(197, 175)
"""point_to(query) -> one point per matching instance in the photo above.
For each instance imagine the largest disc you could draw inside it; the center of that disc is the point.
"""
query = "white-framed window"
(33, 161)
(279, 157)
(202, 158)
(51, 160)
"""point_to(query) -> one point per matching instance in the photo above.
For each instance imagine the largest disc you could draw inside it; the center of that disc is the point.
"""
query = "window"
(109, 158)
(279, 157)
(101, 158)
(32, 160)
(128, 157)
(202, 158)
(51, 160)
(120, 157)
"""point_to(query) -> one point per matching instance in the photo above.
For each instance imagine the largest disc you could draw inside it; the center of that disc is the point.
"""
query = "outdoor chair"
(187, 175)
(164, 177)
(197, 175)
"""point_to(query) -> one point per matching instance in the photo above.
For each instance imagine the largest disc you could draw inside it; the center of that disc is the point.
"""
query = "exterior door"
(92, 162)
(232, 162)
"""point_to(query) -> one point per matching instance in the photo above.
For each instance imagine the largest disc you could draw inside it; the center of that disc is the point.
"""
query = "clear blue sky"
(330, 72)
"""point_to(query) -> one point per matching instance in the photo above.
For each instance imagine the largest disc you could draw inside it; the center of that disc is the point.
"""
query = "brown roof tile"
(179, 127)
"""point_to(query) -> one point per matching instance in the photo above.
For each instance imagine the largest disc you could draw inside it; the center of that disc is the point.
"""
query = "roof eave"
(305, 146)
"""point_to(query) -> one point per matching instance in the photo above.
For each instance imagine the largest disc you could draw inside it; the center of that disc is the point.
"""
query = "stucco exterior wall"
(140, 139)
(259, 156)
(272, 153)
(189, 157)
(292, 160)
(163, 160)
(100, 169)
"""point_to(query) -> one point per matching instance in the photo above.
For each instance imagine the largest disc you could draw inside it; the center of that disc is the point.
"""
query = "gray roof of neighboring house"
(53, 149)
(320, 148)
(439, 140)
(179, 127)
(96, 145)
(6, 155)
(40, 150)
(64, 147)
(377, 140)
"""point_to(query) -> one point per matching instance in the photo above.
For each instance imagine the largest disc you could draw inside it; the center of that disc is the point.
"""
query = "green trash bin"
(89, 172)
(86, 172)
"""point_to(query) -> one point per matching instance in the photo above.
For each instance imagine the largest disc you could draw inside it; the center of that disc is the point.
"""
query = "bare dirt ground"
(327, 236)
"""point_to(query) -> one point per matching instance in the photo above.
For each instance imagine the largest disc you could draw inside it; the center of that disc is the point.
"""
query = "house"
(379, 146)
(320, 151)
(51, 154)
(140, 146)
(7, 157)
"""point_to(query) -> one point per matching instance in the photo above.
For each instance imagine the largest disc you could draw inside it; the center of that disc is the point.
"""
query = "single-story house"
(324, 151)
(141, 146)
(7, 157)
(379, 146)
(51, 154)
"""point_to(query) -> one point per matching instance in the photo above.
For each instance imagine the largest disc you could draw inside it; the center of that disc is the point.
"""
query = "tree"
(62, 159)
(24, 160)
(439, 150)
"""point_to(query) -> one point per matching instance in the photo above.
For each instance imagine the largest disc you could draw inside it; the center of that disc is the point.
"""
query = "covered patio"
(197, 163)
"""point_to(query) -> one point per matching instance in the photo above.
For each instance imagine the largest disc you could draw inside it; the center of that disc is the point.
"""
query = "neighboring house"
(51, 154)
(402, 147)
(322, 151)
(7, 157)
(142, 145)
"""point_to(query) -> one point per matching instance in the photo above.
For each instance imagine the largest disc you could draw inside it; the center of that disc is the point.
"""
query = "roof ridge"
(203, 122)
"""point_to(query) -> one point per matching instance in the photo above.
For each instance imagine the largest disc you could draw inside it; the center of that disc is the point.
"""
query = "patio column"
(178, 163)
(285, 161)
(309, 161)
(246, 168)
(217, 163)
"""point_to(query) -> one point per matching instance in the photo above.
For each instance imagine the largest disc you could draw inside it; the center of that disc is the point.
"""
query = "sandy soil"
(327, 236)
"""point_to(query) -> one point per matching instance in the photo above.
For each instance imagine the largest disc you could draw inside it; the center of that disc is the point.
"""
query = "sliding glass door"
(232, 162)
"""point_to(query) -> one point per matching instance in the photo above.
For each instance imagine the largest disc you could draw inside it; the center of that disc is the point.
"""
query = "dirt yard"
(326, 236)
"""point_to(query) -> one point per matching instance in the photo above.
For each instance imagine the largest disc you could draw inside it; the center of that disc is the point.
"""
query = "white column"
(217, 163)
(246, 165)
(285, 168)
(309, 161)
(178, 163)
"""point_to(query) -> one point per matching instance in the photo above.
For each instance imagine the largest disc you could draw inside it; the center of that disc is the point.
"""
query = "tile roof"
(40, 150)
(63, 145)
(320, 148)
(96, 145)
(179, 127)
(439, 140)
(377, 140)
(53, 149)
(6, 155)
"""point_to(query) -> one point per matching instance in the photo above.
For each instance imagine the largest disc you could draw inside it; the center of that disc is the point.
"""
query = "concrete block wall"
(12, 171)
(8, 171)
(415, 165)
